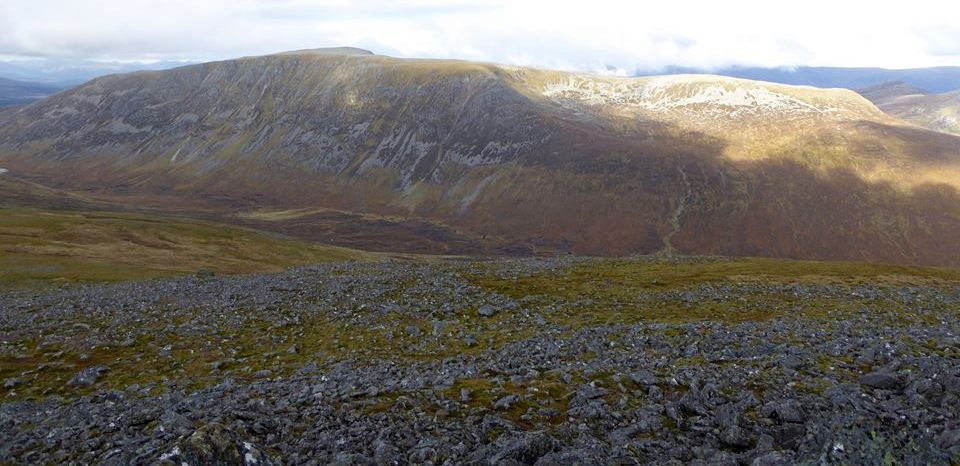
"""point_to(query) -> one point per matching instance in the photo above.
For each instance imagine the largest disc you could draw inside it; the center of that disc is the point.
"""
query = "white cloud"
(585, 34)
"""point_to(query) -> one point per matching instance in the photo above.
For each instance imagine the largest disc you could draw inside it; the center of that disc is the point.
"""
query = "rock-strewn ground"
(546, 362)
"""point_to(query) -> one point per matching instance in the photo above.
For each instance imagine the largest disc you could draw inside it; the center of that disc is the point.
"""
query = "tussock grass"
(44, 246)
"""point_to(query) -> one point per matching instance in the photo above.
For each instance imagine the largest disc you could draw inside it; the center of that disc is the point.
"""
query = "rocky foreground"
(545, 362)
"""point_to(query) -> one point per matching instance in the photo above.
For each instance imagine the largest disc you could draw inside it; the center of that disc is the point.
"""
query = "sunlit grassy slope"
(45, 246)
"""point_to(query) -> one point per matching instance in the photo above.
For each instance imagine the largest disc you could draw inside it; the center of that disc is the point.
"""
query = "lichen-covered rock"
(215, 445)
(87, 376)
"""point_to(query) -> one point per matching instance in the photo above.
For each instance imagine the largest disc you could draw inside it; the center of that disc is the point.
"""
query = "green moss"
(692, 361)
(598, 292)
(381, 404)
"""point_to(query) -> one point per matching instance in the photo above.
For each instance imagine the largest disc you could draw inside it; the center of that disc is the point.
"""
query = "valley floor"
(548, 361)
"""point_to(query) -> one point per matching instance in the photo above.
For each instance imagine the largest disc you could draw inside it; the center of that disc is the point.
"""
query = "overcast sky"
(588, 35)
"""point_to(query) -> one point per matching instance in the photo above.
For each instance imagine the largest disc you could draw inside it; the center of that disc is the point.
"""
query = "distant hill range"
(18, 92)
(937, 79)
(936, 111)
(65, 72)
(25, 81)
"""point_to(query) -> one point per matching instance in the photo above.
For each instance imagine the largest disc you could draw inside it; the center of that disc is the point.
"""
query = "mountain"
(935, 79)
(890, 90)
(19, 92)
(939, 112)
(475, 158)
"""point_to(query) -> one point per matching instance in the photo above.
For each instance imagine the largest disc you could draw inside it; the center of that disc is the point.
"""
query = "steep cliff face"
(526, 160)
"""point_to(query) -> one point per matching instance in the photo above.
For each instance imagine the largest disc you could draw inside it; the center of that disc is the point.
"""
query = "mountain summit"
(508, 159)
(329, 51)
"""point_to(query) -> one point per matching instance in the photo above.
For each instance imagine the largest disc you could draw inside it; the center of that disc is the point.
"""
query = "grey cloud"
(558, 33)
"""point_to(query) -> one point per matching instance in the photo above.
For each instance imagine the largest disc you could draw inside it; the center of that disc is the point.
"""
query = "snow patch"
(3, 170)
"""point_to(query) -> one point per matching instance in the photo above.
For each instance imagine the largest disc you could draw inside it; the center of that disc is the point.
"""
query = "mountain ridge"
(522, 160)
(890, 89)
(934, 79)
